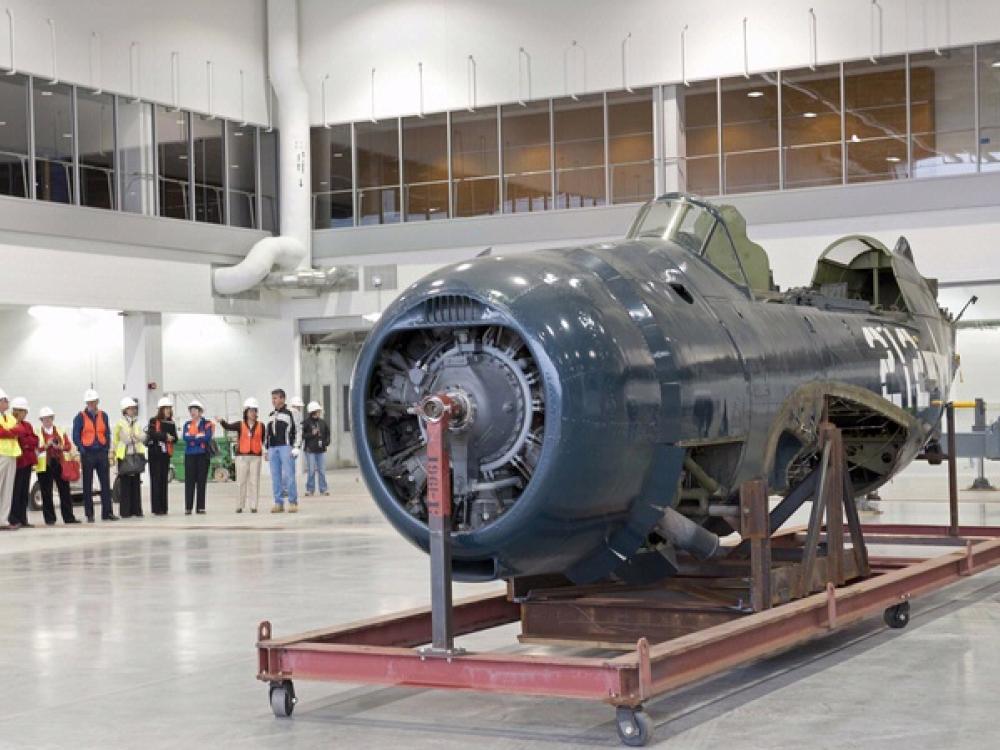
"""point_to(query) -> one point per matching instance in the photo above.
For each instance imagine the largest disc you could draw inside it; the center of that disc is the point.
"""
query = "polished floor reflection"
(140, 634)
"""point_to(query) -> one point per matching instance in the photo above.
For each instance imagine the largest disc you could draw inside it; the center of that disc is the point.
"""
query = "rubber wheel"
(221, 474)
(897, 616)
(635, 727)
(283, 699)
(36, 497)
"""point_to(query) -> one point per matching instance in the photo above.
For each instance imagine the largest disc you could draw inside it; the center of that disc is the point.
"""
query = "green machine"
(222, 467)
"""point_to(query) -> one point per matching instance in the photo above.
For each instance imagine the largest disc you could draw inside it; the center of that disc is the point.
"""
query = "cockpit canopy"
(716, 233)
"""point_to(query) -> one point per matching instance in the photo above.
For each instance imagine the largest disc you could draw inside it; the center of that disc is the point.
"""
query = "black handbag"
(132, 465)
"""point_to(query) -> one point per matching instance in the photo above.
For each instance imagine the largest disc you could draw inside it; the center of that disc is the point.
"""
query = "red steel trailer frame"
(385, 650)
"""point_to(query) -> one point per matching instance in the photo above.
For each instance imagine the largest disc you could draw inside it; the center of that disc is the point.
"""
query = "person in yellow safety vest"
(10, 451)
(128, 438)
(53, 446)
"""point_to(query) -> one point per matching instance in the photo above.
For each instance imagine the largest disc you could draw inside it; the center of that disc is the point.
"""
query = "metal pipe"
(133, 71)
(52, 37)
(95, 79)
(685, 534)
(10, 23)
(700, 475)
(952, 472)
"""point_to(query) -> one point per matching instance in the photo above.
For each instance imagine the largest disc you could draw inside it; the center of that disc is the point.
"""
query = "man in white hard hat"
(249, 449)
(315, 441)
(10, 449)
(280, 441)
(92, 435)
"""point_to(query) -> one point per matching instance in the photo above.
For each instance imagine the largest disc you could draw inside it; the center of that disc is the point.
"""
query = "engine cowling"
(561, 465)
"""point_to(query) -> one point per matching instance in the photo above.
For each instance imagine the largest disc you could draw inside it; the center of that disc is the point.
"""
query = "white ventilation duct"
(291, 249)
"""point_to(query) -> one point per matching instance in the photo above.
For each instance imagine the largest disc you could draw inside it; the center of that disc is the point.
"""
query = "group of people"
(49, 452)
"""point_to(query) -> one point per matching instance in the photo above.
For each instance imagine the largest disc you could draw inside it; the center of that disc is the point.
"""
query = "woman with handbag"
(130, 452)
(198, 434)
(55, 465)
(162, 436)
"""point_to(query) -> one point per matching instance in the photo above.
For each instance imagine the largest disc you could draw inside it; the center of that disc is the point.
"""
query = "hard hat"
(296, 401)
(195, 403)
(165, 401)
(251, 403)
(45, 411)
(313, 406)
(19, 403)
(127, 403)
(90, 395)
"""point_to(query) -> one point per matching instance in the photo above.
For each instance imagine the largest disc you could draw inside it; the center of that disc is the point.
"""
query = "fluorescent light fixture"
(180, 122)
(371, 317)
(234, 166)
(323, 182)
(893, 159)
(182, 157)
(809, 115)
(755, 94)
(3, 123)
(995, 64)
(238, 133)
(45, 93)
(339, 155)
(67, 135)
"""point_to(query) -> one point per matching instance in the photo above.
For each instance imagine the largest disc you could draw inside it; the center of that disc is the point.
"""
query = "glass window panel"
(172, 162)
(270, 197)
(527, 165)
(53, 141)
(696, 145)
(942, 112)
(135, 156)
(475, 162)
(209, 198)
(579, 150)
(630, 145)
(378, 171)
(989, 107)
(810, 127)
(875, 119)
(242, 174)
(14, 136)
(95, 115)
(750, 133)
(333, 194)
(425, 167)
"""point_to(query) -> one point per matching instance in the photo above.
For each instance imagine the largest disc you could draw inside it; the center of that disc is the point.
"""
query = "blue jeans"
(315, 468)
(282, 474)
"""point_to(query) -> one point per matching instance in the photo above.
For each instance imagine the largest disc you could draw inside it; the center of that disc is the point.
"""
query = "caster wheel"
(283, 699)
(897, 616)
(635, 727)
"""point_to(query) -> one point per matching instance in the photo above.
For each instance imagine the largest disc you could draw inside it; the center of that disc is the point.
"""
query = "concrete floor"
(140, 634)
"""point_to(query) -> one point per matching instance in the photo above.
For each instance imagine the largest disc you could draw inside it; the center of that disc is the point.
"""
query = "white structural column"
(142, 350)
(672, 141)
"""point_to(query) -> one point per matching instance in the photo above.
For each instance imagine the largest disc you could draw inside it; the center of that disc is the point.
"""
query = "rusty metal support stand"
(755, 526)
(436, 412)
(952, 471)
